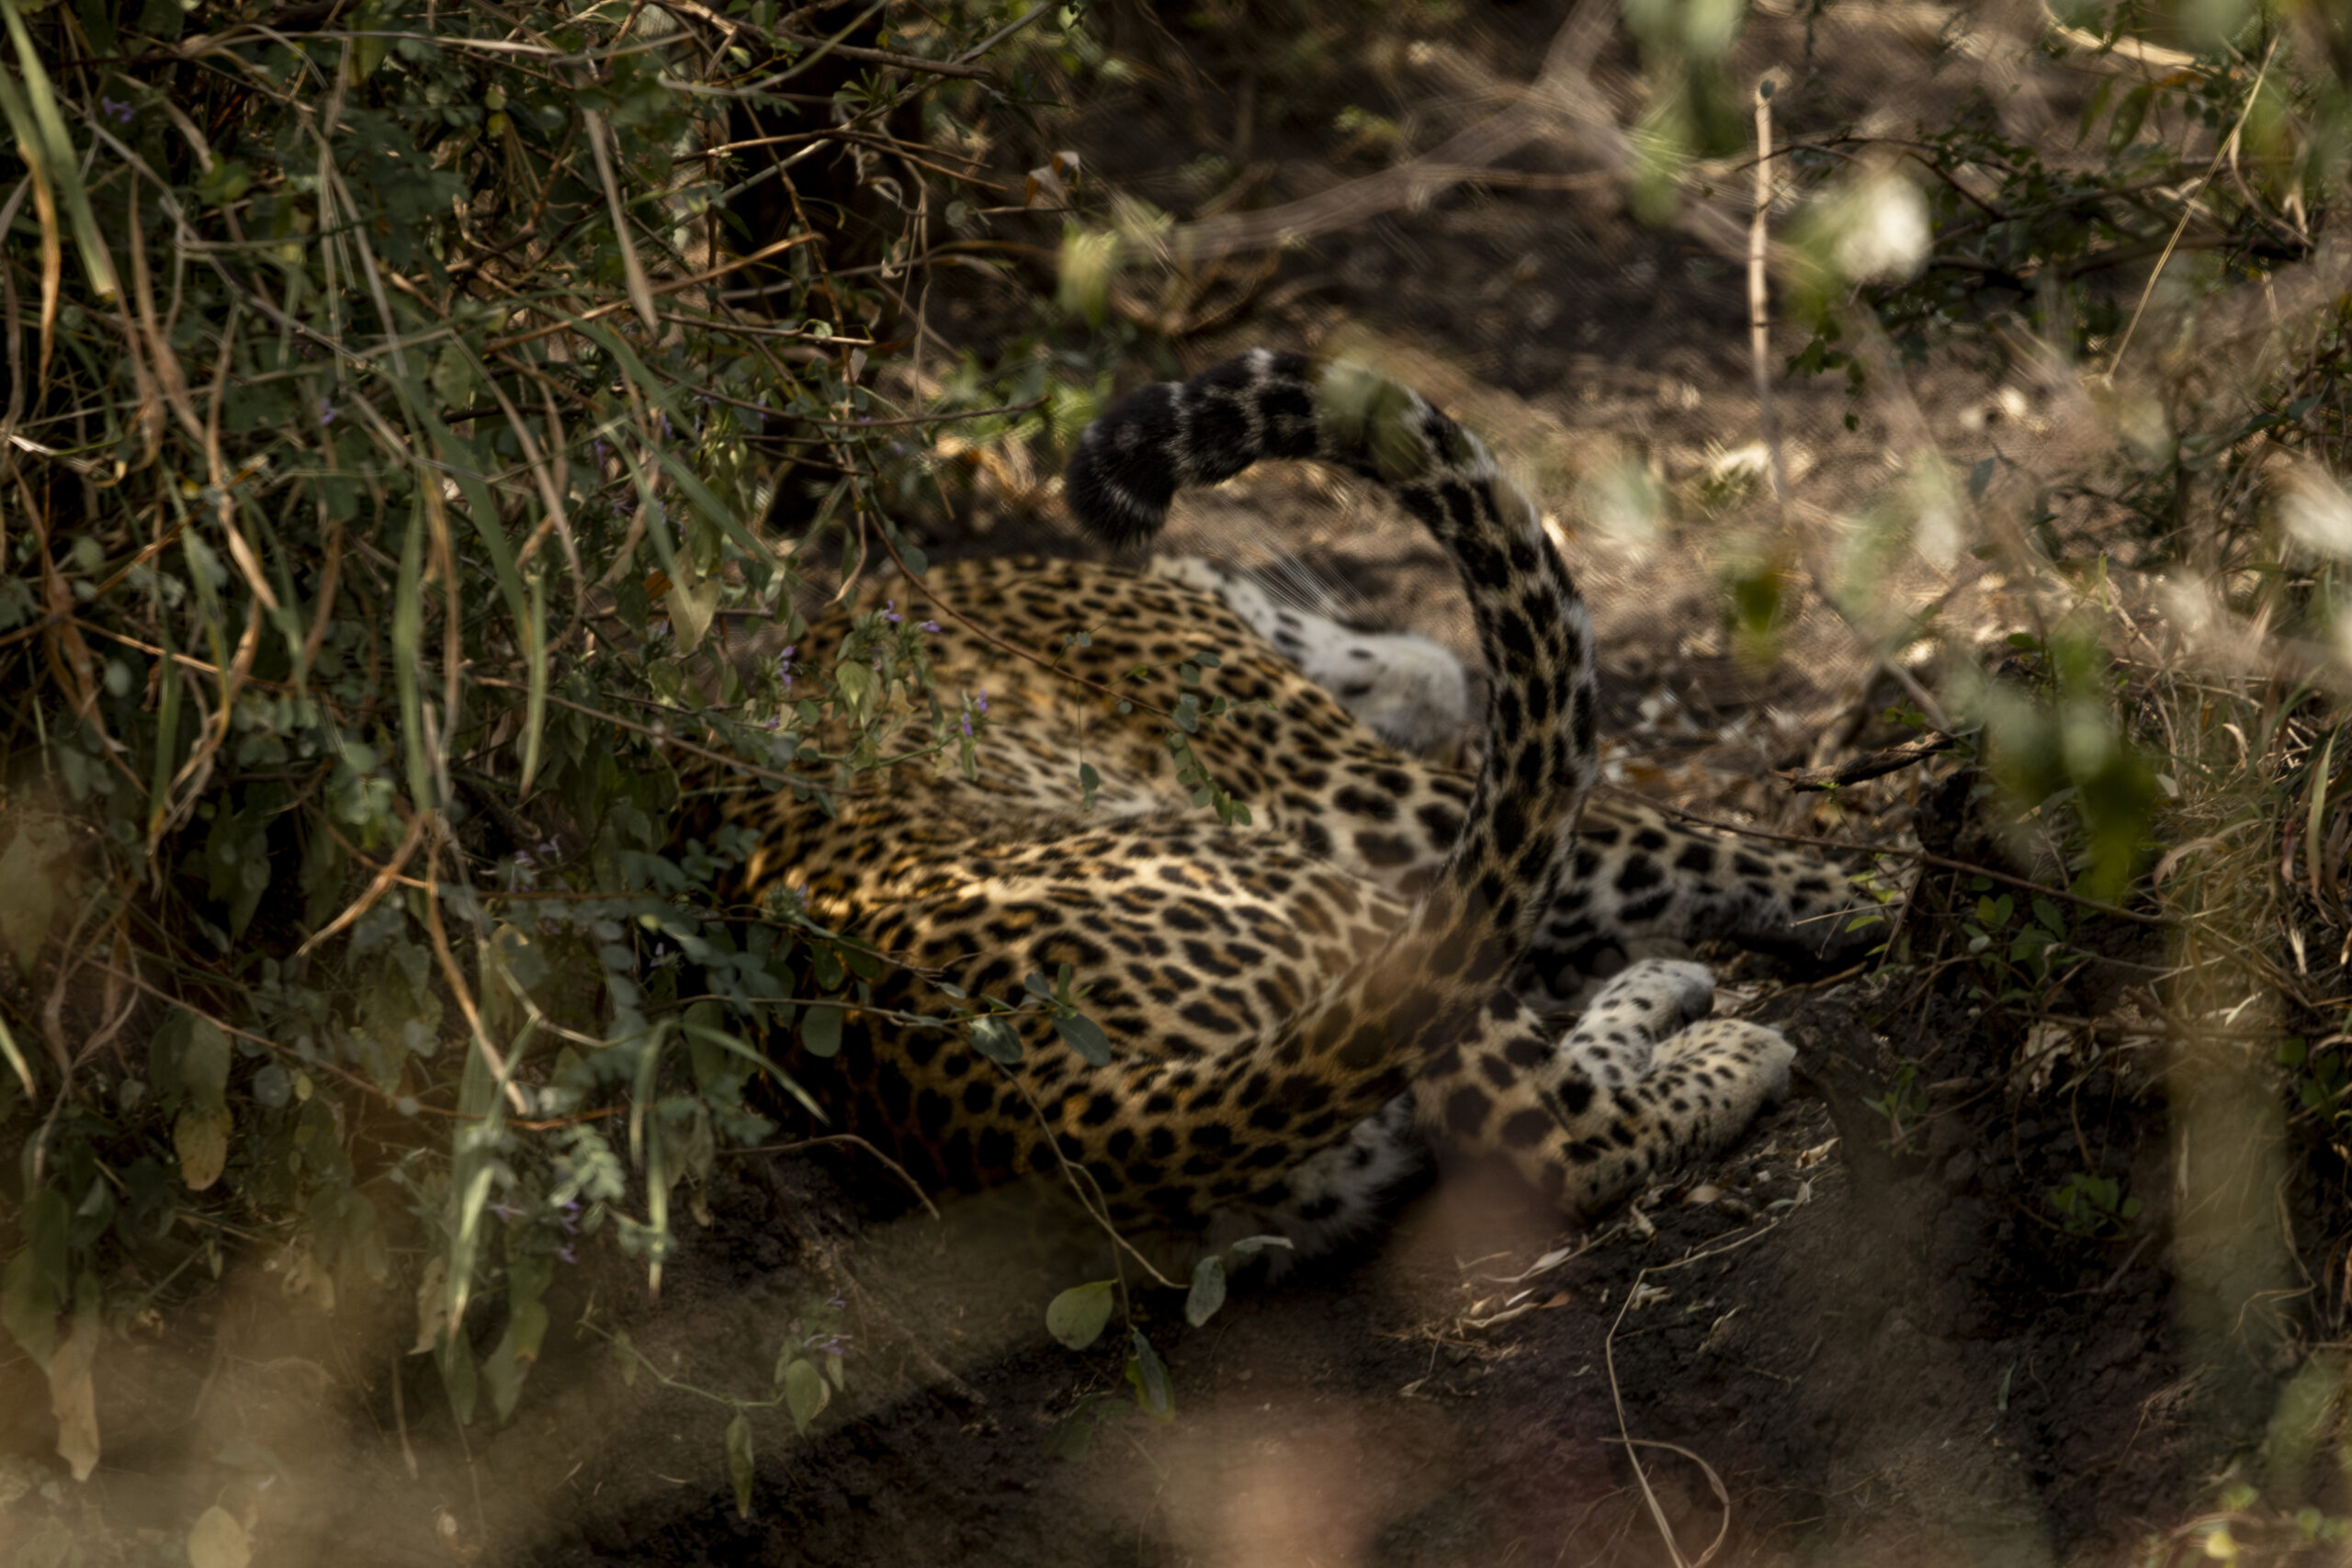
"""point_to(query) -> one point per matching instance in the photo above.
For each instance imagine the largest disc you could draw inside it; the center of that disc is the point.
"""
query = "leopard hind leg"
(1643, 885)
(1644, 1084)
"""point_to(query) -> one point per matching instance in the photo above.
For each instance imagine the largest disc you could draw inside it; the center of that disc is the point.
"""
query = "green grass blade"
(408, 638)
(472, 1166)
(728, 1043)
(65, 172)
(460, 464)
(534, 649)
(167, 735)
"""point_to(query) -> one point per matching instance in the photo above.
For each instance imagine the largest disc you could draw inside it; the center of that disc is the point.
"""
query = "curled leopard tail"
(1480, 912)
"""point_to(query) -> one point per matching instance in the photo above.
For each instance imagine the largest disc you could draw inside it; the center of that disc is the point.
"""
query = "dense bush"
(393, 392)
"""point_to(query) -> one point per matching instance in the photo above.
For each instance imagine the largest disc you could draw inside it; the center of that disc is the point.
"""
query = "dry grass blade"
(492, 1061)
(641, 292)
(386, 875)
(1759, 305)
(1633, 1294)
(2189, 207)
(13, 322)
(52, 247)
(15, 1059)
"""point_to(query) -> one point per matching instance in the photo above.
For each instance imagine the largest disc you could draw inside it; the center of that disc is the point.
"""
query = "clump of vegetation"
(394, 391)
(2172, 283)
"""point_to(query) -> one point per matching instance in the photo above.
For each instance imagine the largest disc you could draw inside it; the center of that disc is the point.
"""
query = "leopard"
(1377, 964)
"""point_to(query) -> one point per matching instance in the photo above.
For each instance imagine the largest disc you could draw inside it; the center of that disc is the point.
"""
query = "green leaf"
(1085, 1036)
(739, 1461)
(1078, 1316)
(1148, 1375)
(510, 1363)
(1074, 1433)
(1207, 1293)
(29, 1307)
(456, 1361)
(203, 1065)
(806, 1392)
(693, 601)
(821, 1030)
(28, 902)
(371, 45)
(201, 1140)
(2129, 114)
(859, 687)
(994, 1038)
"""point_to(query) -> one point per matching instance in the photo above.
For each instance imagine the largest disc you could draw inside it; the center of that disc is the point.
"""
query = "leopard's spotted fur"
(1295, 1002)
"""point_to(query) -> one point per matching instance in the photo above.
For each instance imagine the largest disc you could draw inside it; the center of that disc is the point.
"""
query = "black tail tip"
(1123, 474)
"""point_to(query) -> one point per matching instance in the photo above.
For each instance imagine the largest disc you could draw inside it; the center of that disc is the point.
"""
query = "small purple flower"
(784, 666)
(967, 726)
(564, 1252)
(931, 627)
(981, 700)
(122, 112)
(890, 612)
(504, 1210)
(657, 630)
(326, 411)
